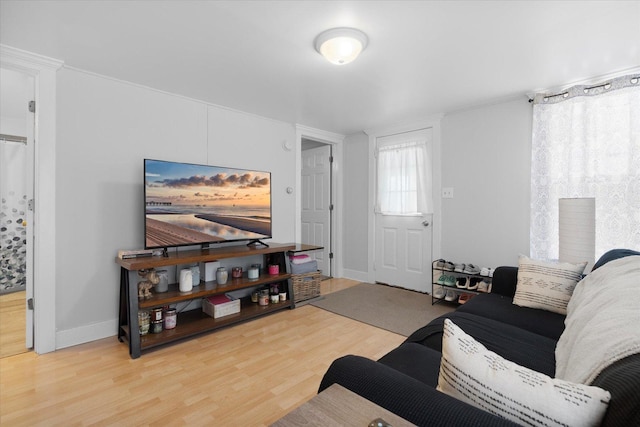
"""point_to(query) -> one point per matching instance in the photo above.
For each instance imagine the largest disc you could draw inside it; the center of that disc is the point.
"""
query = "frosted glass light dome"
(341, 45)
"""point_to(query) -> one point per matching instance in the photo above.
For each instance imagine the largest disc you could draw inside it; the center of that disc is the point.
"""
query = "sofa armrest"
(504, 281)
(406, 397)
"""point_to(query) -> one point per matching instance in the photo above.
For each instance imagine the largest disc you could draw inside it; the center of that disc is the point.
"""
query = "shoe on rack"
(471, 269)
(462, 282)
(438, 292)
(483, 286)
(450, 296)
(484, 271)
(458, 268)
(448, 266)
(450, 281)
(473, 284)
(438, 264)
(443, 278)
(464, 298)
(491, 270)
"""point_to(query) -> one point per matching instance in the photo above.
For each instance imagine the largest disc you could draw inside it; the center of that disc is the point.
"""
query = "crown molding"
(21, 59)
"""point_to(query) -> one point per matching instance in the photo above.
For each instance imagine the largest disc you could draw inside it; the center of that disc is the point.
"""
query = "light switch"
(447, 192)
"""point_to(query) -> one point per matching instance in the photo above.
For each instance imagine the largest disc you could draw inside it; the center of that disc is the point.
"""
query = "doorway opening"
(16, 216)
(317, 202)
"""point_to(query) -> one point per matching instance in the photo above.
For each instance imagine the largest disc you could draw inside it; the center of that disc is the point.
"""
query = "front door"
(403, 240)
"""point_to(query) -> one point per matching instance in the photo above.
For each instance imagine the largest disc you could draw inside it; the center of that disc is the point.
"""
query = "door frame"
(432, 122)
(336, 141)
(44, 71)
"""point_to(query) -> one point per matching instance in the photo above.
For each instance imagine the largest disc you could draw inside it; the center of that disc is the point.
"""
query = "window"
(404, 181)
(586, 143)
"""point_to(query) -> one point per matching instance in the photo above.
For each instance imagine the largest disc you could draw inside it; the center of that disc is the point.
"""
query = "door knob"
(425, 223)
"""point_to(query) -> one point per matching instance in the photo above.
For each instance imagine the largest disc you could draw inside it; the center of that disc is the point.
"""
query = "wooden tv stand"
(195, 322)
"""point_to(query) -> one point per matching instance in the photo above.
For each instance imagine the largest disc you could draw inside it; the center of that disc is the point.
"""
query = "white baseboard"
(85, 334)
(361, 276)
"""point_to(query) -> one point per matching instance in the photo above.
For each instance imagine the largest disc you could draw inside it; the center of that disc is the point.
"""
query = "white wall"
(17, 89)
(356, 206)
(486, 158)
(105, 130)
(251, 142)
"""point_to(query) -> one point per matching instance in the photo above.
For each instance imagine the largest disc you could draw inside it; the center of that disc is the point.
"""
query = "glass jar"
(263, 297)
(170, 318)
(144, 321)
(222, 275)
(236, 272)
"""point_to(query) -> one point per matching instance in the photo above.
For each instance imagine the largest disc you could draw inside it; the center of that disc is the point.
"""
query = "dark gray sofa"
(404, 380)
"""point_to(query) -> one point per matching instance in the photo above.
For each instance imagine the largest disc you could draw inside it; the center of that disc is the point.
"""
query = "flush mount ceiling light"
(341, 45)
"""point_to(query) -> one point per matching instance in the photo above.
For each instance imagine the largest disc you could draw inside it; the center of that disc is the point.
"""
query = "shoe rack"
(456, 283)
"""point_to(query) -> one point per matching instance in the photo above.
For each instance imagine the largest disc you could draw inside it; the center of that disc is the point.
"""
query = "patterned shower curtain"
(13, 223)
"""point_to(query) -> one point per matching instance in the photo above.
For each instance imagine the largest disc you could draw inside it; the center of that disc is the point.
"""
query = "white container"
(186, 280)
(208, 270)
(220, 306)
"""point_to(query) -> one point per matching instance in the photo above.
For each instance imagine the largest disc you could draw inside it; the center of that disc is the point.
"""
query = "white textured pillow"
(546, 285)
(479, 377)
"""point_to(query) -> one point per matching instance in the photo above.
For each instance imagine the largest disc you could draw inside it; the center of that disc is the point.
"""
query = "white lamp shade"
(577, 230)
(341, 45)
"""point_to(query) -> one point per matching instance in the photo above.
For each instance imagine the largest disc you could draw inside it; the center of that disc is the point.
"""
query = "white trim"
(432, 122)
(44, 270)
(86, 333)
(360, 276)
(336, 140)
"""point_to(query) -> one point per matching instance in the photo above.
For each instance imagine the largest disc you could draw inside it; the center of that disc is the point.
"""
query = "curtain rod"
(13, 138)
(611, 84)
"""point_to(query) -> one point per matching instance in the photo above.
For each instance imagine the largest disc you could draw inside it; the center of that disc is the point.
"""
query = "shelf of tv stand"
(207, 289)
(195, 322)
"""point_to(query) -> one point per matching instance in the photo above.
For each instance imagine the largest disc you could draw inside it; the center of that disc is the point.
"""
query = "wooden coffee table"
(337, 406)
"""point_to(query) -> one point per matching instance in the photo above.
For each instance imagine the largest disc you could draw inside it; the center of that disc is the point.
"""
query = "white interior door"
(403, 243)
(316, 204)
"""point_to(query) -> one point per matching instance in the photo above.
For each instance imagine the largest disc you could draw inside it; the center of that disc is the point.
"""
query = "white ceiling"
(424, 57)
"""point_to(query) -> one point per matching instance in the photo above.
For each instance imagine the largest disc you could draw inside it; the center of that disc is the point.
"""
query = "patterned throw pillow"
(546, 285)
(471, 373)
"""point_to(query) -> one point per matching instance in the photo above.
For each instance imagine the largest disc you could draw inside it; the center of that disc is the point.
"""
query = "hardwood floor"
(246, 375)
(12, 324)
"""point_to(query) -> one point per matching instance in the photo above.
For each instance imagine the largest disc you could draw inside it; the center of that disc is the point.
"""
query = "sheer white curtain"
(404, 182)
(586, 143)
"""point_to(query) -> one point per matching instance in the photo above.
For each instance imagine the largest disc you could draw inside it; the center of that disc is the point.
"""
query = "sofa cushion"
(516, 344)
(482, 378)
(502, 309)
(416, 360)
(546, 285)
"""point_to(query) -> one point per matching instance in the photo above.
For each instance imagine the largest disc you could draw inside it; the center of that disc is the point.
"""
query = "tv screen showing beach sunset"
(187, 204)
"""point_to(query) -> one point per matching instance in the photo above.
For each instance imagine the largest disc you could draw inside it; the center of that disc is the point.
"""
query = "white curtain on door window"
(404, 183)
(586, 143)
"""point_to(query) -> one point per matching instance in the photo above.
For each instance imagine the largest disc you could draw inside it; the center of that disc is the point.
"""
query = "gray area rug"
(394, 309)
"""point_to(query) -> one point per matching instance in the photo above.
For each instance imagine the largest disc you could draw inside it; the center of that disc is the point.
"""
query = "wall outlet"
(447, 193)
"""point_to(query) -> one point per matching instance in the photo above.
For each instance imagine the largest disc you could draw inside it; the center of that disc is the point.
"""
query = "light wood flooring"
(12, 324)
(246, 375)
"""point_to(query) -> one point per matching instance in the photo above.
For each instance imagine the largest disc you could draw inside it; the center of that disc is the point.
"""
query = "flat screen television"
(190, 204)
